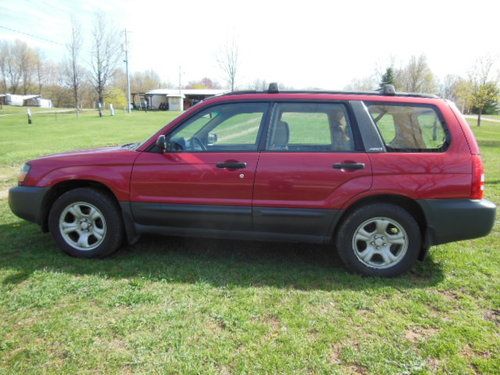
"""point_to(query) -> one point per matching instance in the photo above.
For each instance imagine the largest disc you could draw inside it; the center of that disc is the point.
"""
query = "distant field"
(56, 132)
(197, 306)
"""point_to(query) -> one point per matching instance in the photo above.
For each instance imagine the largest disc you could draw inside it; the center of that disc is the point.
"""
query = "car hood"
(97, 156)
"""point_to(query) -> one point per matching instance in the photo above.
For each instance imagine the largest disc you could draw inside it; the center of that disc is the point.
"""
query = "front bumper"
(457, 219)
(26, 202)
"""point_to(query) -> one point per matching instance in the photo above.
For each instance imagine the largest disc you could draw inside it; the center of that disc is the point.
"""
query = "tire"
(379, 240)
(91, 220)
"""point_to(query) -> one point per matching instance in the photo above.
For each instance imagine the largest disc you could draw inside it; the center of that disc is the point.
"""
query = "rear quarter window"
(410, 128)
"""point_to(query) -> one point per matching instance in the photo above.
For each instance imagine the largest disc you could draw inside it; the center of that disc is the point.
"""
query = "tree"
(73, 69)
(39, 68)
(116, 97)
(28, 63)
(463, 92)
(228, 62)
(13, 64)
(259, 85)
(19, 65)
(4, 56)
(388, 77)
(363, 84)
(484, 96)
(204, 83)
(104, 55)
(140, 82)
(484, 92)
(416, 76)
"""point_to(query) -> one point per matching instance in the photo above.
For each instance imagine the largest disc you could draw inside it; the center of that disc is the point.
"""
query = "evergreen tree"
(388, 77)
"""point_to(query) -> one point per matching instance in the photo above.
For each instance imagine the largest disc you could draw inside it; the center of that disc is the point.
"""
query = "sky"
(301, 44)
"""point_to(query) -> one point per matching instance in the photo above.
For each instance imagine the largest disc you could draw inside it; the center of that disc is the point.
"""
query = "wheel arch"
(410, 205)
(62, 187)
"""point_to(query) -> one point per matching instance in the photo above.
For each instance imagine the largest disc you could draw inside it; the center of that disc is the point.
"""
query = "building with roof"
(172, 99)
(26, 100)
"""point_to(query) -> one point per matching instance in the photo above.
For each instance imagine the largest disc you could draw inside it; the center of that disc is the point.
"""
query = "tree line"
(84, 78)
(81, 79)
(477, 92)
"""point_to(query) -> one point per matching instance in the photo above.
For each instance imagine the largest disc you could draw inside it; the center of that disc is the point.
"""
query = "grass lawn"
(190, 306)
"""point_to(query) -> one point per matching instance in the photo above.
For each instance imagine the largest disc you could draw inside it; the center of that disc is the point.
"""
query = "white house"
(175, 99)
(37, 101)
(27, 100)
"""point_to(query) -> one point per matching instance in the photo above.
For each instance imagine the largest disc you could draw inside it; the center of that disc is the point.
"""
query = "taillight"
(477, 191)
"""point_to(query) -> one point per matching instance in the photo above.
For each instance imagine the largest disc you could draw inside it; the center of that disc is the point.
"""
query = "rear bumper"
(26, 202)
(457, 219)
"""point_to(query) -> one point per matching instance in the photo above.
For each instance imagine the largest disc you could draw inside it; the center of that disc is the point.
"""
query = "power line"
(32, 36)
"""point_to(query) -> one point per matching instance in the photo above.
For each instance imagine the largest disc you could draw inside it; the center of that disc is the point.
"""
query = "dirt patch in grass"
(335, 354)
(273, 321)
(418, 334)
(224, 370)
(493, 316)
(433, 364)
(357, 369)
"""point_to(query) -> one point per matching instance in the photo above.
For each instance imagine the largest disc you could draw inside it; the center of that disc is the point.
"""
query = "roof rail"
(273, 88)
(386, 90)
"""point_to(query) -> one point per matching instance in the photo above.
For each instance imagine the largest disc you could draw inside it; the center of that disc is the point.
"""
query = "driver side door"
(206, 181)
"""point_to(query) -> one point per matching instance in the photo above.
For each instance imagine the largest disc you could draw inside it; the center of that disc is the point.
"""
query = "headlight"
(25, 169)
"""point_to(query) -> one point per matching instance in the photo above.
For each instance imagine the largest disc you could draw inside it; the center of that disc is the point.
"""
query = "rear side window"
(310, 127)
(409, 128)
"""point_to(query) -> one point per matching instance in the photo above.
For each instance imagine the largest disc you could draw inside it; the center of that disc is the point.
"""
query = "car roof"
(386, 93)
(321, 96)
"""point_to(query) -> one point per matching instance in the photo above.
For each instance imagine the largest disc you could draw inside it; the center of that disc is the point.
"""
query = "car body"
(290, 166)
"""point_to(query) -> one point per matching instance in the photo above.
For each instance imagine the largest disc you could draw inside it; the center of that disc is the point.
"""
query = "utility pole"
(180, 74)
(126, 71)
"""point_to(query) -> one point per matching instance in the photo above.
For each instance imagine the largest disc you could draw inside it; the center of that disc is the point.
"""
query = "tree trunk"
(479, 117)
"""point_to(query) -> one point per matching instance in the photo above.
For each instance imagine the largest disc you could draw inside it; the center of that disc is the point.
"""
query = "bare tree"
(259, 84)
(4, 56)
(228, 62)
(27, 60)
(416, 76)
(13, 64)
(104, 56)
(368, 83)
(18, 66)
(73, 70)
(481, 71)
(40, 71)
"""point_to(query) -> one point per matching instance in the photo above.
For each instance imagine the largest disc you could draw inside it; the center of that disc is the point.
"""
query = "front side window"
(227, 127)
(310, 127)
(409, 128)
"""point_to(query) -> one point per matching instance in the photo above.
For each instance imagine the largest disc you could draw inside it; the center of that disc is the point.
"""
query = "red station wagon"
(382, 176)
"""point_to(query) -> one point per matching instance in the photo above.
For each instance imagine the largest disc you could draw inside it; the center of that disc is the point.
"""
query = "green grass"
(190, 306)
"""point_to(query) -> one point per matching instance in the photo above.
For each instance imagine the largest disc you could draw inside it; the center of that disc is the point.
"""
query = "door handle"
(232, 165)
(349, 166)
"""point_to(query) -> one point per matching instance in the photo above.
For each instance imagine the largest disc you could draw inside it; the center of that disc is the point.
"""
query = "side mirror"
(161, 142)
(212, 139)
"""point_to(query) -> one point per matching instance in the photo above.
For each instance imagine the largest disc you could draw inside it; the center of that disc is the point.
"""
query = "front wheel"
(86, 223)
(379, 240)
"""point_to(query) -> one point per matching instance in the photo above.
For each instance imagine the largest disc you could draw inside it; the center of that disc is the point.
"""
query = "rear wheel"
(379, 240)
(86, 223)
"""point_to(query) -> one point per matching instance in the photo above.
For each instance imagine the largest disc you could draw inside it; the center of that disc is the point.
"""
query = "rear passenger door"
(312, 163)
